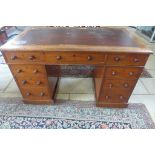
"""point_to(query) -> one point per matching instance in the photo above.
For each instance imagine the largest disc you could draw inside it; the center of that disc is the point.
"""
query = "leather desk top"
(76, 39)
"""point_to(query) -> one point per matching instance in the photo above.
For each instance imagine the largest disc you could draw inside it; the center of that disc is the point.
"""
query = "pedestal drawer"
(121, 84)
(114, 95)
(28, 70)
(29, 81)
(33, 93)
(130, 73)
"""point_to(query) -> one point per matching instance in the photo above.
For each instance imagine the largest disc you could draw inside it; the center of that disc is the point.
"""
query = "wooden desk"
(117, 55)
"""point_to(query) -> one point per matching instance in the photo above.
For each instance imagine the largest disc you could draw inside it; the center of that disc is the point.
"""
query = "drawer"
(127, 59)
(74, 58)
(24, 57)
(29, 81)
(122, 84)
(123, 72)
(115, 95)
(90, 58)
(34, 93)
(28, 70)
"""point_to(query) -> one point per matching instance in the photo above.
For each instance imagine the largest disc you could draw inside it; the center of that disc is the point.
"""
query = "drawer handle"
(89, 58)
(14, 57)
(35, 71)
(121, 97)
(117, 59)
(110, 85)
(28, 94)
(31, 57)
(24, 82)
(42, 94)
(58, 57)
(113, 73)
(38, 82)
(19, 70)
(107, 97)
(130, 73)
(126, 85)
(136, 60)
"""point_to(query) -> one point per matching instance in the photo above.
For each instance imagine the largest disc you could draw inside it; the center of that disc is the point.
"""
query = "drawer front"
(74, 58)
(59, 57)
(34, 93)
(114, 95)
(127, 59)
(123, 72)
(32, 81)
(122, 84)
(24, 57)
(90, 58)
(28, 70)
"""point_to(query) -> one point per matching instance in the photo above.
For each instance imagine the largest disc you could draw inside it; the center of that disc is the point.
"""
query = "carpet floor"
(71, 115)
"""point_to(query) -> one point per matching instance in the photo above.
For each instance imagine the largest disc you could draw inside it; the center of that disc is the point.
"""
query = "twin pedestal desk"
(118, 58)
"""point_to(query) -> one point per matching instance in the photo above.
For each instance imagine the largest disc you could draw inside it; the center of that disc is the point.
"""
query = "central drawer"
(74, 58)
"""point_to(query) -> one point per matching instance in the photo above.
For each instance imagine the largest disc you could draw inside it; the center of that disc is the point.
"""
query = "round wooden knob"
(107, 97)
(58, 57)
(117, 59)
(121, 97)
(35, 71)
(126, 85)
(14, 57)
(31, 57)
(19, 70)
(24, 82)
(110, 85)
(38, 82)
(42, 94)
(113, 73)
(136, 60)
(89, 58)
(130, 73)
(28, 94)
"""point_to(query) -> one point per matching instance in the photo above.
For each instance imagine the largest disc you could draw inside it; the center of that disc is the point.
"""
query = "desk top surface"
(75, 39)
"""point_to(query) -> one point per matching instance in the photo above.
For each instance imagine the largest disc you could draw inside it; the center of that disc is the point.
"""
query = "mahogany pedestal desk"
(117, 55)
